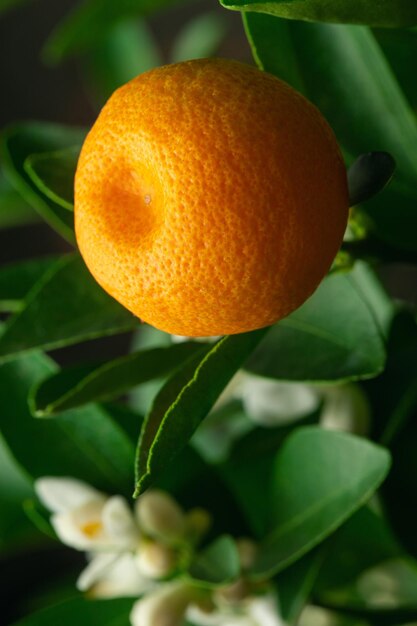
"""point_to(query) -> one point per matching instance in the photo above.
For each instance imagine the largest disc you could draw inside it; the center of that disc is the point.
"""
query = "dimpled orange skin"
(210, 198)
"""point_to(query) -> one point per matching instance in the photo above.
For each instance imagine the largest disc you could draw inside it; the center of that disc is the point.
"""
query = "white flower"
(254, 611)
(164, 607)
(113, 575)
(160, 516)
(345, 408)
(85, 518)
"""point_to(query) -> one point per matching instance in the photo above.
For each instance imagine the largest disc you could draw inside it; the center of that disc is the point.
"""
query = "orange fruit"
(210, 198)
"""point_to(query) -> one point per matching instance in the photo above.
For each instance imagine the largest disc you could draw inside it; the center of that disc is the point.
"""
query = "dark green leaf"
(14, 211)
(295, 584)
(185, 400)
(18, 143)
(127, 50)
(5, 5)
(368, 175)
(85, 444)
(377, 117)
(53, 174)
(321, 477)
(400, 48)
(199, 38)
(82, 612)
(393, 13)
(17, 279)
(91, 21)
(217, 565)
(65, 307)
(333, 336)
(81, 385)
(364, 541)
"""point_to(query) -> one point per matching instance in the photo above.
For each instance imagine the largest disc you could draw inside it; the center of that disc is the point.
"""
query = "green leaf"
(333, 336)
(91, 21)
(82, 612)
(400, 48)
(295, 584)
(65, 307)
(216, 565)
(17, 279)
(321, 477)
(360, 97)
(199, 38)
(6, 5)
(185, 400)
(127, 50)
(53, 174)
(86, 444)
(80, 385)
(368, 175)
(364, 541)
(386, 13)
(14, 211)
(18, 143)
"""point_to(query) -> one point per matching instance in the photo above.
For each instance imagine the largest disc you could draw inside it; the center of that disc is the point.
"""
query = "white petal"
(119, 523)
(96, 569)
(82, 528)
(164, 607)
(113, 576)
(217, 618)
(264, 611)
(63, 494)
(272, 403)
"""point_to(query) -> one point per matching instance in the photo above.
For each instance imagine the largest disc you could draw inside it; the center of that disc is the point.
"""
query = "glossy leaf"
(394, 13)
(17, 279)
(86, 444)
(82, 612)
(216, 565)
(199, 38)
(91, 21)
(53, 174)
(378, 117)
(80, 385)
(368, 175)
(14, 211)
(185, 400)
(310, 500)
(333, 336)
(65, 307)
(18, 143)
(295, 584)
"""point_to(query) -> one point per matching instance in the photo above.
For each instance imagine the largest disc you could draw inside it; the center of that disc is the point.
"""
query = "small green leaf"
(18, 143)
(199, 38)
(185, 400)
(321, 477)
(332, 336)
(217, 565)
(77, 386)
(368, 175)
(82, 612)
(86, 444)
(53, 174)
(65, 307)
(386, 13)
(17, 279)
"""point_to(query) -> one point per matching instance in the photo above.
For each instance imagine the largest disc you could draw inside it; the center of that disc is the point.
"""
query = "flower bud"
(247, 551)
(164, 607)
(198, 522)
(160, 516)
(155, 560)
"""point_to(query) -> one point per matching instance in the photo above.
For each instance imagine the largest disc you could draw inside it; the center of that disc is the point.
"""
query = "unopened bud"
(198, 522)
(164, 607)
(160, 516)
(236, 592)
(247, 550)
(155, 560)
